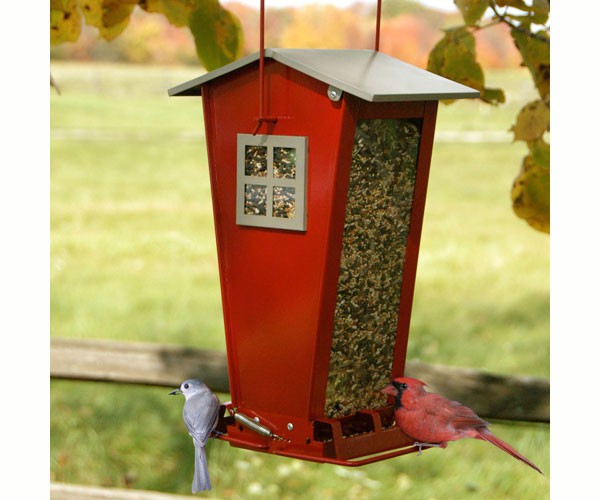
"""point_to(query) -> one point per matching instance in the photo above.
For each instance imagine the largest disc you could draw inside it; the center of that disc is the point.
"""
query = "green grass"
(133, 257)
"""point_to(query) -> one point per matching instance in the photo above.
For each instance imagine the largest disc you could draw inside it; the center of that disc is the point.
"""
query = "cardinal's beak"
(390, 390)
(175, 392)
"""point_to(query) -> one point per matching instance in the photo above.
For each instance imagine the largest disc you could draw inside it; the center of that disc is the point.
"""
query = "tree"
(454, 57)
(217, 32)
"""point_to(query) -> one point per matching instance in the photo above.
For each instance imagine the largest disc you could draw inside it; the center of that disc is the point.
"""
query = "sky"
(445, 5)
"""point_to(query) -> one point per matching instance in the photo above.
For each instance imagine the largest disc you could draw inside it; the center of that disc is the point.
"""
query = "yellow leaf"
(92, 11)
(531, 194)
(111, 17)
(65, 21)
(117, 12)
(532, 121)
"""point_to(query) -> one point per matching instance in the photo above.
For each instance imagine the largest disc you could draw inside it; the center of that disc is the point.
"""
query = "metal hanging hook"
(378, 25)
(261, 75)
(261, 66)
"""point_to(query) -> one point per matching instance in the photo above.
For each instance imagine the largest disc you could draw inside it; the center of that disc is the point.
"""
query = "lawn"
(133, 257)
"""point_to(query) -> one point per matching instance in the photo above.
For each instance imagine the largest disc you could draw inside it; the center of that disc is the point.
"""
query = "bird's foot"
(420, 446)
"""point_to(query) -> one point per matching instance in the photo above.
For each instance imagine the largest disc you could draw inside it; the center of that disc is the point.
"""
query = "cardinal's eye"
(403, 386)
(186, 386)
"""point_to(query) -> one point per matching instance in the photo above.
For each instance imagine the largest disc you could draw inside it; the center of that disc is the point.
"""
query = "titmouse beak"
(175, 392)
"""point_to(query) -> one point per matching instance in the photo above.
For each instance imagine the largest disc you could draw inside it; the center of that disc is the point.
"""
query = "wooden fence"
(64, 491)
(503, 397)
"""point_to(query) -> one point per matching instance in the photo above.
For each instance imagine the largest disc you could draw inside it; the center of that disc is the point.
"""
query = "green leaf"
(65, 21)
(541, 11)
(492, 96)
(517, 4)
(540, 150)
(453, 57)
(536, 56)
(472, 10)
(217, 34)
(178, 12)
(532, 121)
(522, 20)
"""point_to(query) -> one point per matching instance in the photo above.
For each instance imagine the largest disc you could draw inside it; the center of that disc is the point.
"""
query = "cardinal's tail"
(490, 438)
(201, 480)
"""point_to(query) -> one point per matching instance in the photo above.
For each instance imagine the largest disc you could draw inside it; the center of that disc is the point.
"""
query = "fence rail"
(493, 396)
(63, 491)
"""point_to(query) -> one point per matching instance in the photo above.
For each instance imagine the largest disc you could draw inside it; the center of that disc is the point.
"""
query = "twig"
(53, 84)
(502, 18)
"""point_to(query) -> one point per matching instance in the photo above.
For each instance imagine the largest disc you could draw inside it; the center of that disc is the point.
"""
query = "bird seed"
(378, 213)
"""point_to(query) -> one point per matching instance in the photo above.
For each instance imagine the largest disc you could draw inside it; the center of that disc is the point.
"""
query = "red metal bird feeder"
(318, 222)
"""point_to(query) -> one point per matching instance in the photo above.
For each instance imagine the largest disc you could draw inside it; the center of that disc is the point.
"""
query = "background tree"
(218, 38)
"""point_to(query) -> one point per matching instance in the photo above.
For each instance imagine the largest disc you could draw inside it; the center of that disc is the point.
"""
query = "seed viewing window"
(271, 181)
(378, 215)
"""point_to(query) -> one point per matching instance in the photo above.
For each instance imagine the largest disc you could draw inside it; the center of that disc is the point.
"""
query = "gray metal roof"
(370, 75)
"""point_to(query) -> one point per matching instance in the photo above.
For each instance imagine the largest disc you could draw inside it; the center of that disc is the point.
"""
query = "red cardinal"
(433, 420)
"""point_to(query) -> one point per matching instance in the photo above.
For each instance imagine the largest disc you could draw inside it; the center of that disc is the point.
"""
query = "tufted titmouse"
(200, 414)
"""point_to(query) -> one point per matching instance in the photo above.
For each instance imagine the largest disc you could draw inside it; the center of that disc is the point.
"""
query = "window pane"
(284, 202)
(256, 161)
(284, 163)
(255, 199)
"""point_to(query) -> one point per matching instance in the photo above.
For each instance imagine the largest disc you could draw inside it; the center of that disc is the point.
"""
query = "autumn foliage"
(482, 34)
(409, 36)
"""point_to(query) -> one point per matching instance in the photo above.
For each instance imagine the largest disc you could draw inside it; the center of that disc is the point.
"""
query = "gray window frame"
(300, 144)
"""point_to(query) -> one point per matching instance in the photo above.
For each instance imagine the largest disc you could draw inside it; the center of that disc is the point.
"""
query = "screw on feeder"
(334, 93)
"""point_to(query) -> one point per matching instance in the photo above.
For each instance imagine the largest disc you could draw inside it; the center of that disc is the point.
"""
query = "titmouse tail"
(201, 480)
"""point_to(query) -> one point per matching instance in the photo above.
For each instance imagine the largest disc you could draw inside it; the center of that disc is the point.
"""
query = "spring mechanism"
(256, 426)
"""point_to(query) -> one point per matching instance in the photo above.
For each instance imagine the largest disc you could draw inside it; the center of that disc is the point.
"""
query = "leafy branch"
(504, 18)
(455, 57)
(217, 32)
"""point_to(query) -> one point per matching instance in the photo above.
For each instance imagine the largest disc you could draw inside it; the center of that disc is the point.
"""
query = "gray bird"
(200, 414)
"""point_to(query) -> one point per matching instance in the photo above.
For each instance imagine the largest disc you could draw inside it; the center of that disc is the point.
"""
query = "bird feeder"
(318, 195)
